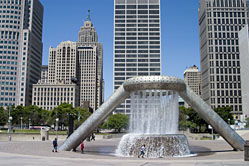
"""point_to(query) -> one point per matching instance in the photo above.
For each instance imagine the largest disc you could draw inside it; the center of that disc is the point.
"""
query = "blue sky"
(179, 32)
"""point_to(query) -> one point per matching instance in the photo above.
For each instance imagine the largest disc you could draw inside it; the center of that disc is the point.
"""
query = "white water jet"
(154, 112)
(154, 122)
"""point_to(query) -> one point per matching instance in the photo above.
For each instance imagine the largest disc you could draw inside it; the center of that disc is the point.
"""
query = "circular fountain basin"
(156, 146)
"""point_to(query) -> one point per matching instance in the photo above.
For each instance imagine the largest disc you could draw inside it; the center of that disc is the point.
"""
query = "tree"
(82, 115)
(3, 116)
(117, 122)
(191, 119)
(62, 112)
(225, 113)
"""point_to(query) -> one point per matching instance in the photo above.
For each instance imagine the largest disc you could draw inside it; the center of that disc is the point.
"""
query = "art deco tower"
(137, 41)
(219, 24)
(90, 65)
(20, 50)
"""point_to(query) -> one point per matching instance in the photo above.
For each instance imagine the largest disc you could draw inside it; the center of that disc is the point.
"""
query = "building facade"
(244, 61)
(90, 68)
(20, 50)
(44, 74)
(60, 87)
(75, 73)
(137, 42)
(219, 24)
(192, 77)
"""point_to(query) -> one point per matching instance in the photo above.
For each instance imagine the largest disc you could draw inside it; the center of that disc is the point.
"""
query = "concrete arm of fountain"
(94, 120)
(212, 118)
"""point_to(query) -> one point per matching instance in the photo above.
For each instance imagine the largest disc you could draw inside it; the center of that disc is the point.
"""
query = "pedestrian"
(93, 137)
(82, 146)
(142, 152)
(55, 145)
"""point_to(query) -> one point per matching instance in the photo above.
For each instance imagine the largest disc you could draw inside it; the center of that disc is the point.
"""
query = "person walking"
(82, 146)
(55, 145)
(142, 152)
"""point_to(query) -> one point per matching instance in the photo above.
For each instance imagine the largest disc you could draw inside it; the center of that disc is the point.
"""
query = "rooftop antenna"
(88, 18)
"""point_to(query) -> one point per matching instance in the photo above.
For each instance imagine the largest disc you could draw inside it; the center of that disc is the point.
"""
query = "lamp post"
(29, 123)
(9, 127)
(56, 128)
(21, 123)
(229, 122)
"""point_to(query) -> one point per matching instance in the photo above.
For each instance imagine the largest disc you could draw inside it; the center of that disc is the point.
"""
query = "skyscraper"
(75, 73)
(219, 24)
(192, 77)
(20, 50)
(90, 72)
(137, 41)
(60, 86)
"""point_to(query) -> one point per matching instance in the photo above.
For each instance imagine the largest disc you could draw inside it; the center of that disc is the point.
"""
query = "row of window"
(224, 56)
(137, 12)
(227, 3)
(225, 71)
(137, 6)
(137, 25)
(225, 28)
(137, 42)
(137, 38)
(139, 21)
(225, 63)
(136, 29)
(135, 56)
(137, 51)
(224, 49)
(139, 34)
(137, 16)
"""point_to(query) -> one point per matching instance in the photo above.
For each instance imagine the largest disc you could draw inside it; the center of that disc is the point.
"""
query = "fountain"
(154, 86)
(154, 123)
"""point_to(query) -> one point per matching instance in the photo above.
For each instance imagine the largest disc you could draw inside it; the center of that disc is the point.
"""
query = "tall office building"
(192, 77)
(219, 24)
(90, 65)
(75, 73)
(20, 50)
(60, 86)
(137, 42)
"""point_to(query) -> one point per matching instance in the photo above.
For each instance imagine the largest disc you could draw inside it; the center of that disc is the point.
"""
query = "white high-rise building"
(90, 70)
(192, 77)
(20, 50)
(219, 24)
(137, 42)
(75, 73)
(60, 86)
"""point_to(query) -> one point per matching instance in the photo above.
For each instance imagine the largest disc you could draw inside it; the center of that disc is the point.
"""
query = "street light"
(56, 128)
(21, 123)
(29, 123)
(9, 127)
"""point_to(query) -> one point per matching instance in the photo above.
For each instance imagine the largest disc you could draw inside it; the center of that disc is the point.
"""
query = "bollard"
(246, 151)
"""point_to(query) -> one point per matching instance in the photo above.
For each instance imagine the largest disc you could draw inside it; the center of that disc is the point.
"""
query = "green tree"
(225, 113)
(117, 122)
(3, 116)
(192, 120)
(62, 112)
(81, 115)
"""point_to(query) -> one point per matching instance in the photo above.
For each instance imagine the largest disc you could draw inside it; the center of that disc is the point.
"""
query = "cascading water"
(154, 122)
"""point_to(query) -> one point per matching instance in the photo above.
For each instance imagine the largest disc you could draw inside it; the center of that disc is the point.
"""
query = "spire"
(88, 18)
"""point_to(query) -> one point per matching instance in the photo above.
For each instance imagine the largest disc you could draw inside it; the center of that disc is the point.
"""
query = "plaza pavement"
(101, 152)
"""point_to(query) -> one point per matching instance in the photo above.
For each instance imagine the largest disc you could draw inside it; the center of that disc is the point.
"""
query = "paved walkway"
(101, 152)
